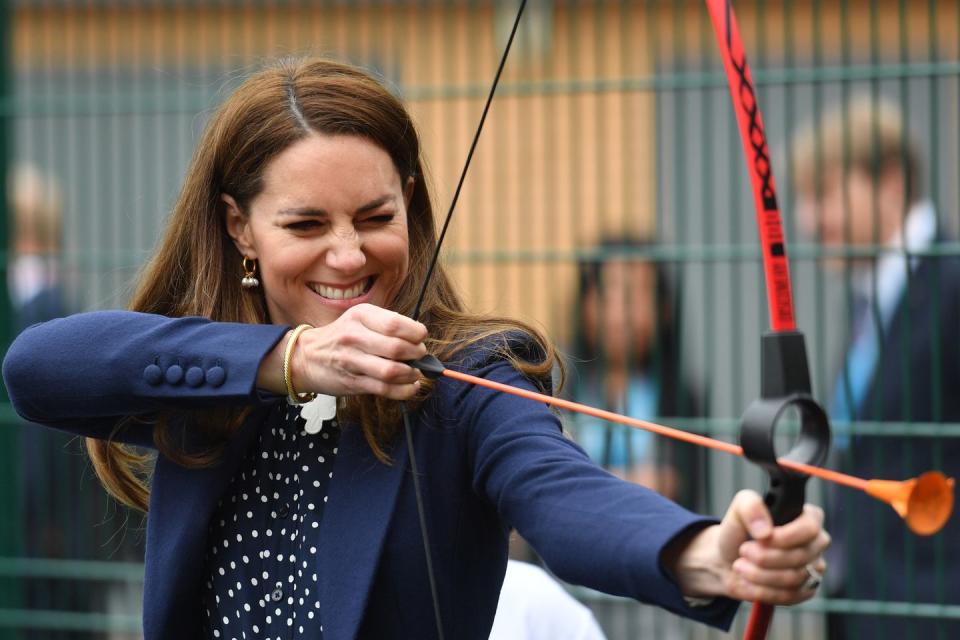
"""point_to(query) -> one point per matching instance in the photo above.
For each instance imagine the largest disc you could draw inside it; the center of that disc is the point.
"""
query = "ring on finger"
(814, 578)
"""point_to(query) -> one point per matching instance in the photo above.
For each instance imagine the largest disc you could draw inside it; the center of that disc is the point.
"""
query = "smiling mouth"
(339, 293)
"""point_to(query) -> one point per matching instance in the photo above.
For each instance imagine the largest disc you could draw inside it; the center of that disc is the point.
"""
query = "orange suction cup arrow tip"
(925, 503)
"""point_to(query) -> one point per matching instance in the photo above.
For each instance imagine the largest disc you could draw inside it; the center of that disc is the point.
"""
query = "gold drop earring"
(249, 280)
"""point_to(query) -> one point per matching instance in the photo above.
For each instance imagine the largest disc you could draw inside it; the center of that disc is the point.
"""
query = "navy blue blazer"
(489, 462)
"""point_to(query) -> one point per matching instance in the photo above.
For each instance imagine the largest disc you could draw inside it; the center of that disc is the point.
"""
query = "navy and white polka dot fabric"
(262, 562)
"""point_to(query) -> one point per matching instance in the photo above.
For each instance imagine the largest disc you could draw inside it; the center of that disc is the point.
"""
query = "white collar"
(885, 279)
(30, 274)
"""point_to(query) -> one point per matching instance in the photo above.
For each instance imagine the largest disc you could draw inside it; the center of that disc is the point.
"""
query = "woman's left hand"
(746, 558)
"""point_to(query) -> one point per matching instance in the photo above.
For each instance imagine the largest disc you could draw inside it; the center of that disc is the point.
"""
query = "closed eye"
(383, 218)
(304, 225)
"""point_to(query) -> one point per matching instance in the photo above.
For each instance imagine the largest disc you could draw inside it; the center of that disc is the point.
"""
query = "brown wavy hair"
(196, 269)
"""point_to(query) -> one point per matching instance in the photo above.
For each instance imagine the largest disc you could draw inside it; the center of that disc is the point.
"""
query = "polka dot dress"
(262, 562)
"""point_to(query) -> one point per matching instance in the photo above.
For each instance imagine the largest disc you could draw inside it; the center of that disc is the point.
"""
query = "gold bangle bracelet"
(292, 396)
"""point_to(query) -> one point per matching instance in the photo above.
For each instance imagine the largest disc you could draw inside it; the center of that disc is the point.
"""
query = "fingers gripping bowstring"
(408, 431)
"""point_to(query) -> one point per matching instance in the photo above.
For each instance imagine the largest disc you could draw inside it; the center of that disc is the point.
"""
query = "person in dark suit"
(859, 184)
(264, 356)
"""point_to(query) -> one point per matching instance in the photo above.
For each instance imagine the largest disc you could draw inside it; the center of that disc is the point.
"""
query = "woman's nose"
(346, 252)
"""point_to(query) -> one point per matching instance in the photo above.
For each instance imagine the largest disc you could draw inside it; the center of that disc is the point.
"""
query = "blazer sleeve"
(590, 527)
(84, 372)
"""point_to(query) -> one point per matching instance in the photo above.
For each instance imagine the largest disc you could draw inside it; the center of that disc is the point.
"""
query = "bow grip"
(785, 384)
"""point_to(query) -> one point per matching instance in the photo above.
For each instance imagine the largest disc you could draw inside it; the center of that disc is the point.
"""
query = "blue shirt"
(614, 445)
(262, 564)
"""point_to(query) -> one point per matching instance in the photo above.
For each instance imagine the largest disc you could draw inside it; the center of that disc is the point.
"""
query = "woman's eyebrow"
(375, 204)
(317, 212)
(310, 212)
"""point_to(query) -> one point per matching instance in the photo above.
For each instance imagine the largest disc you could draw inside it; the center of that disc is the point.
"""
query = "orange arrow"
(925, 503)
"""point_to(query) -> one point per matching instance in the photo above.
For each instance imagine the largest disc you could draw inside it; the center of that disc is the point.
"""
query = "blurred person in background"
(264, 356)
(48, 520)
(63, 513)
(34, 273)
(47, 461)
(859, 193)
(626, 354)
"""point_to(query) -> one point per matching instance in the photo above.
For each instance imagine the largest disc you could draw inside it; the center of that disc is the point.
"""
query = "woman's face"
(329, 229)
(622, 319)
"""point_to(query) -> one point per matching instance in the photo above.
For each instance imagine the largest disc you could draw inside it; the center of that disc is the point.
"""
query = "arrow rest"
(786, 383)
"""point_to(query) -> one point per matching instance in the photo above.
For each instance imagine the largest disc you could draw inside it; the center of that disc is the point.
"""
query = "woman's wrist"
(270, 374)
(693, 559)
(294, 396)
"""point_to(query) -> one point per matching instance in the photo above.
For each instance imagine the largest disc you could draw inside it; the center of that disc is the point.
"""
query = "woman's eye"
(383, 218)
(304, 225)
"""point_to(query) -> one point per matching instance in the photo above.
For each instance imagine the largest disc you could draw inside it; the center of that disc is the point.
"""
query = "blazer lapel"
(178, 520)
(909, 330)
(363, 493)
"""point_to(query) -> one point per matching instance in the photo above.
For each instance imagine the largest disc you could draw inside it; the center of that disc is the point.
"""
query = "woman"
(305, 204)
(626, 346)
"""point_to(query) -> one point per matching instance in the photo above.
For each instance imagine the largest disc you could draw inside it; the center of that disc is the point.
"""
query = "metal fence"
(612, 122)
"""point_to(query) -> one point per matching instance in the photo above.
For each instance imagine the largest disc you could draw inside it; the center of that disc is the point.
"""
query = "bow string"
(408, 431)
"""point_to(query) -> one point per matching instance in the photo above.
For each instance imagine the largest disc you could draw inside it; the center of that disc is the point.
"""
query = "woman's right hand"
(361, 352)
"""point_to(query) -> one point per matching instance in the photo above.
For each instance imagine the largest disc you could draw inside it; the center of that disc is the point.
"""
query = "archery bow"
(784, 353)
(925, 503)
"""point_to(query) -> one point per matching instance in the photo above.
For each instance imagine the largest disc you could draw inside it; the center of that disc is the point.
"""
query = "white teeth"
(334, 293)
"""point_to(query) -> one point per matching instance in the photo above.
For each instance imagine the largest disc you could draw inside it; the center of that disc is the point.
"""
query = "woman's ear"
(238, 226)
(408, 192)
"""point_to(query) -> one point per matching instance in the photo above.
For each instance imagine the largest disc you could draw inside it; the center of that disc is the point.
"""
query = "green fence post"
(9, 529)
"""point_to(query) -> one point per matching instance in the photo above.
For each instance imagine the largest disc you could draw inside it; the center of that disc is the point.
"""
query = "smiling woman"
(321, 254)
(286, 274)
